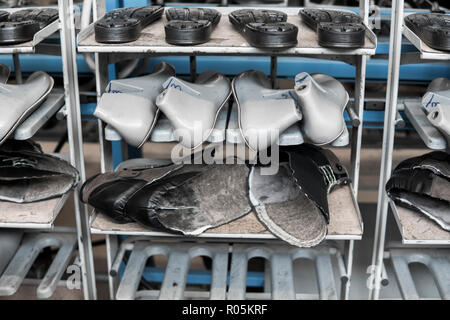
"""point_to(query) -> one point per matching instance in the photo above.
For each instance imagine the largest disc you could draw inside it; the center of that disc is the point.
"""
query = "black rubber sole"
(125, 25)
(188, 32)
(265, 28)
(21, 25)
(431, 28)
(335, 29)
(190, 26)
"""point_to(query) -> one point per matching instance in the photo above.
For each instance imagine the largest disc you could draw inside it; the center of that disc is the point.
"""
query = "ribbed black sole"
(188, 32)
(126, 24)
(21, 25)
(335, 29)
(265, 28)
(190, 26)
(432, 28)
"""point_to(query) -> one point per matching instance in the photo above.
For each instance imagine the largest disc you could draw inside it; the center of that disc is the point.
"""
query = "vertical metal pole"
(193, 67)
(17, 70)
(72, 99)
(102, 78)
(388, 142)
(273, 71)
(355, 156)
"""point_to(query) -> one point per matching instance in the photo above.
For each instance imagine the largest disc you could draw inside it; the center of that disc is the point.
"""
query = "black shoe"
(21, 25)
(125, 24)
(335, 29)
(190, 26)
(432, 28)
(265, 28)
(3, 15)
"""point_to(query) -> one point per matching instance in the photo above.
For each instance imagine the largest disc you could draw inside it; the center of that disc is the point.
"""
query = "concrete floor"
(370, 160)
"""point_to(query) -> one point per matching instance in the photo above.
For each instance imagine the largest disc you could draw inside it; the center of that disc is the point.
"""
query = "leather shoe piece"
(192, 108)
(21, 25)
(190, 26)
(129, 104)
(284, 209)
(125, 24)
(317, 172)
(335, 29)
(265, 28)
(423, 184)
(264, 113)
(322, 99)
(19, 101)
(193, 199)
(110, 192)
(29, 175)
(431, 28)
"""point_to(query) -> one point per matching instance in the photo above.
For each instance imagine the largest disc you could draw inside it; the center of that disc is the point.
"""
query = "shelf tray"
(345, 223)
(225, 40)
(431, 136)
(416, 228)
(29, 47)
(425, 51)
(36, 215)
(40, 116)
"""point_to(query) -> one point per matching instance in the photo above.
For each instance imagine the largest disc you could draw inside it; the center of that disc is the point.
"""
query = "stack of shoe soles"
(21, 25)
(423, 184)
(18, 101)
(432, 28)
(335, 29)
(28, 175)
(318, 101)
(264, 28)
(190, 26)
(192, 108)
(189, 199)
(436, 103)
(125, 24)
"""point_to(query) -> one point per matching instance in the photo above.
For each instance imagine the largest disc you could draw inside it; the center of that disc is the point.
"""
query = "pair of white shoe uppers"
(131, 106)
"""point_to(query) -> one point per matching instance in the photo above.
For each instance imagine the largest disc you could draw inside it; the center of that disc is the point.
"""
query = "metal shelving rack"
(417, 231)
(227, 42)
(39, 217)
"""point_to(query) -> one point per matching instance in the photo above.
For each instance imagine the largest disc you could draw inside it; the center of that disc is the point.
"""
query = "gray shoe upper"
(192, 108)
(17, 102)
(129, 104)
(322, 99)
(438, 92)
(264, 113)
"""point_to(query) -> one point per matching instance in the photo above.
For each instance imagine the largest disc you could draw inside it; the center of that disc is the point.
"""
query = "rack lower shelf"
(345, 223)
(415, 228)
(36, 215)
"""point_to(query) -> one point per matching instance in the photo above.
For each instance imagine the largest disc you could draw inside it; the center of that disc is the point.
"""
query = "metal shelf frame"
(70, 98)
(418, 233)
(105, 55)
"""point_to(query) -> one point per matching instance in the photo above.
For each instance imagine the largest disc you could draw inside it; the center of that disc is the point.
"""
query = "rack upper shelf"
(225, 40)
(426, 52)
(30, 46)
